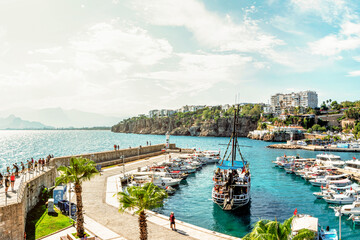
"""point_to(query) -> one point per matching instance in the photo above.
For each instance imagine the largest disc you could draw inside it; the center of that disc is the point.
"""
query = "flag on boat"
(354, 158)
(295, 212)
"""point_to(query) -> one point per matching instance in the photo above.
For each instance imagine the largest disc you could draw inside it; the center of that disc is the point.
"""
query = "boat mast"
(234, 139)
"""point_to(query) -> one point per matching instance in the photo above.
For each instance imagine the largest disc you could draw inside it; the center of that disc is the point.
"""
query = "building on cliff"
(304, 99)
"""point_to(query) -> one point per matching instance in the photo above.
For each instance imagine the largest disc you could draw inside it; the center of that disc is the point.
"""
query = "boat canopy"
(225, 165)
(304, 222)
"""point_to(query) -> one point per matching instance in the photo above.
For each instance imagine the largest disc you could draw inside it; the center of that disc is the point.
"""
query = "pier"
(313, 148)
(100, 205)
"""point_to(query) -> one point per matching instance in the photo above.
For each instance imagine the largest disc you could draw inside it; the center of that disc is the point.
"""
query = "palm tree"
(141, 198)
(79, 170)
(274, 230)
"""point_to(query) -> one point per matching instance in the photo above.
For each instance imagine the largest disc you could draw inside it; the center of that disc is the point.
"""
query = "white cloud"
(348, 38)
(124, 41)
(199, 72)
(354, 74)
(209, 29)
(329, 10)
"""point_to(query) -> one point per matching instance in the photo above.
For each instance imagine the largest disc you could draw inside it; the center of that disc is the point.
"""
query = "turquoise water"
(274, 193)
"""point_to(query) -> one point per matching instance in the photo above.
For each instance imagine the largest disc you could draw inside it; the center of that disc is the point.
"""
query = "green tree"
(79, 170)
(141, 198)
(274, 230)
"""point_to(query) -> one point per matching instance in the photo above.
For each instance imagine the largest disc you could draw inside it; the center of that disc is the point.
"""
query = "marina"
(274, 193)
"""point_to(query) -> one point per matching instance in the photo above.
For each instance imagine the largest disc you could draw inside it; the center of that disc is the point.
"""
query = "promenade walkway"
(124, 224)
(101, 205)
(14, 196)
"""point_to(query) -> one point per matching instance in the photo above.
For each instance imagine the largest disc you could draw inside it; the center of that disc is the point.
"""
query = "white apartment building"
(304, 99)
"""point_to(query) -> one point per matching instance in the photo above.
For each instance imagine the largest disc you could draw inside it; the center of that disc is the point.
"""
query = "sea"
(274, 194)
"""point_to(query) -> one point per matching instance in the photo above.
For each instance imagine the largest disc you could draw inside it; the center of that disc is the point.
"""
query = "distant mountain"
(13, 122)
(61, 118)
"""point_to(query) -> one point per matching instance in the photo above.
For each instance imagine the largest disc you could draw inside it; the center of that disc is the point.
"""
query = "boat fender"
(162, 184)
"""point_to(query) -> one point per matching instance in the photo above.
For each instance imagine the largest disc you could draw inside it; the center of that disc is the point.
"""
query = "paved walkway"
(112, 186)
(11, 196)
(101, 204)
(124, 224)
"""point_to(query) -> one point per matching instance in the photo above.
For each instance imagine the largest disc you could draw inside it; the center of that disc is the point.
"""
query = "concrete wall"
(13, 217)
(102, 157)
(12, 222)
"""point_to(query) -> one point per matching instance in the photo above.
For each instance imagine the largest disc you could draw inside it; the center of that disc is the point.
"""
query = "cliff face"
(275, 136)
(186, 126)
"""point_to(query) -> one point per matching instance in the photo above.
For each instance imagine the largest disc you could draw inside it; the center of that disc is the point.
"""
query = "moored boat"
(232, 177)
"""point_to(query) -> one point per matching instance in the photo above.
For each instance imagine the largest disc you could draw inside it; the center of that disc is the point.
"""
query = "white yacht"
(348, 209)
(353, 165)
(345, 198)
(330, 179)
(329, 160)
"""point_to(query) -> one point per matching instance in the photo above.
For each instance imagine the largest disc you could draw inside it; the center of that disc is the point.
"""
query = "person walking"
(172, 221)
(22, 167)
(118, 147)
(115, 147)
(12, 179)
(7, 184)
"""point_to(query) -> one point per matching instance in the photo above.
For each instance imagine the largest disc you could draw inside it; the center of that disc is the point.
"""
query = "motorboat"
(232, 178)
(329, 160)
(353, 165)
(355, 219)
(330, 234)
(344, 198)
(303, 221)
(323, 180)
(348, 209)
(324, 193)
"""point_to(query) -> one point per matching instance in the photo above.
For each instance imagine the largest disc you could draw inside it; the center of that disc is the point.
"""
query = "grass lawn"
(39, 223)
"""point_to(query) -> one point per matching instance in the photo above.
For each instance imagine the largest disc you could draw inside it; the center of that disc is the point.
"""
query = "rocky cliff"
(275, 136)
(222, 127)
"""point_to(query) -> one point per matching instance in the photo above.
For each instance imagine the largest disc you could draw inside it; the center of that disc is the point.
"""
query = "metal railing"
(25, 177)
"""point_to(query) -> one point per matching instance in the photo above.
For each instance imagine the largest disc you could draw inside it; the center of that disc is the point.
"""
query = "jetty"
(100, 211)
(313, 148)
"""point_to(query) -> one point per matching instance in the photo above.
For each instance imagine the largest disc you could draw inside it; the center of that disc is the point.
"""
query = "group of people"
(8, 178)
(117, 147)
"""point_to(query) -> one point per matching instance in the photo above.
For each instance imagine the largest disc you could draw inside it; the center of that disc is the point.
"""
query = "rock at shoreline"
(221, 127)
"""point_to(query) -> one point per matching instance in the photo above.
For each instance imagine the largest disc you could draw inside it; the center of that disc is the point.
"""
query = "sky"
(123, 58)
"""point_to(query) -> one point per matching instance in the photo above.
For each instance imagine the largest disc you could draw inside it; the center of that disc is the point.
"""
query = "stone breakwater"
(313, 148)
(221, 127)
(13, 215)
(274, 136)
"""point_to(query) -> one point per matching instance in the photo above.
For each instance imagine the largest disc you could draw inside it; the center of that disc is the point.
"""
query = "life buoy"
(163, 184)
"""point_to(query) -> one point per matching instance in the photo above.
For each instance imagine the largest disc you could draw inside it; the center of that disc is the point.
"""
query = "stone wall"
(12, 221)
(102, 157)
(13, 216)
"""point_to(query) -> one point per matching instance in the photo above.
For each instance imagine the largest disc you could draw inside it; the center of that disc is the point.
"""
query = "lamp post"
(340, 223)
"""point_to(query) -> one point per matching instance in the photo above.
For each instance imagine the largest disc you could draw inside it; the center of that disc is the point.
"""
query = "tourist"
(42, 164)
(1, 179)
(29, 165)
(147, 143)
(35, 165)
(172, 221)
(16, 169)
(22, 167)
(12, 179)
(7, 184)
(118, 147)
(8, 170)
(115, 147)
